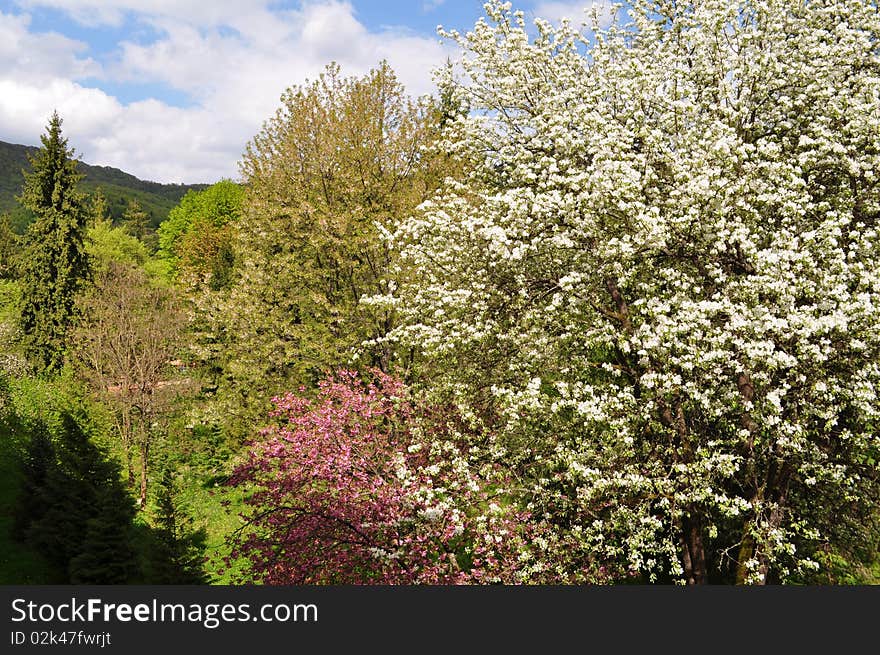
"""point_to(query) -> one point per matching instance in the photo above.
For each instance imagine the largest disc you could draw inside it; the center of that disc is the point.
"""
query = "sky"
(172, 90)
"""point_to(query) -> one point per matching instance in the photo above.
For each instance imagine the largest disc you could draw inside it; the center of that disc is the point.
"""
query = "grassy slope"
(203, 501)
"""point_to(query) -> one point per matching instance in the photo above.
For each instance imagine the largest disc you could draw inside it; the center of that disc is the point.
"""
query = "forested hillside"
(118, 186)
(602, 310)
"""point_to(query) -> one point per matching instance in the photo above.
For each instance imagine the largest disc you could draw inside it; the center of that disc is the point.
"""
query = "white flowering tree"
(661, 280)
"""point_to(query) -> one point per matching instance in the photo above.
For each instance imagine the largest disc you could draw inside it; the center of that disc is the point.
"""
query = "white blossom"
(663, 262)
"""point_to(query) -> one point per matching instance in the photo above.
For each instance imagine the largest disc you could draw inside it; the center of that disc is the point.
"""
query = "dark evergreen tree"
(178, 550)
(38, 461)
(68, 498)
(58, 532)
(54, 264)
(85, 529)
(106, 554)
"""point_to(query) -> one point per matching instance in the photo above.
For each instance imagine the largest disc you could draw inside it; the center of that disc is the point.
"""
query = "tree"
(136, 220)
(9, 248)
(340, 162)
(98, 208)
(359, 485)
(197, 238)
(106, 555)
(660, 279)
(177, 555)
(106, 244)
(54, 262)
(125, 344)
(38, 460)
(74, 509)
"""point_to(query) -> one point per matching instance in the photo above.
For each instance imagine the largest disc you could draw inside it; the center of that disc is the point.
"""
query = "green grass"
(203, 500)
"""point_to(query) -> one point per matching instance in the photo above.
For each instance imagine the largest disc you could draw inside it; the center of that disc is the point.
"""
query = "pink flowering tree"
(360, 485)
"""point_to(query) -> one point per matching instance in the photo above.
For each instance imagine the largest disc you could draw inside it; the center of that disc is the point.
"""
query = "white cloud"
(577, 11)
(219, 66)
(40, 57)
(184, 145)
(113, 12)
(149, 139)
(232, 59)
(25, 109)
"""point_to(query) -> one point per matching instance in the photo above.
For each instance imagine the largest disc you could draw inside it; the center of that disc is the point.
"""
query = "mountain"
(118, 186)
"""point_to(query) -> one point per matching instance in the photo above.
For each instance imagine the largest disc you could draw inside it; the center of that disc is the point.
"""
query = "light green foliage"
(160, 271)
(97, 207)
(137, 223)
(106, 244)
(54, 263)
(135, 220)
(196, 237)
(339, 163)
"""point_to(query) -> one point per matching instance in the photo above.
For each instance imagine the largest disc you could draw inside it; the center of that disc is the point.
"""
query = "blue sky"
(172, 90)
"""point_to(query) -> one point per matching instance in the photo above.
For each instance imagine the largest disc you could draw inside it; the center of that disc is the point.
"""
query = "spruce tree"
(9, 244)
(55, 262)
(39, 459)
(85, 513)
(98, 210)
(66, 502)
(136, 220)
(177, 554)
(106, 555)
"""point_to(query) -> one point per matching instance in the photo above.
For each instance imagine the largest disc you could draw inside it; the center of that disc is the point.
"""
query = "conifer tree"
(55, 262)
(98, 208)
(83, 514)
(38, 460)
(136, 220)
(177, 555)
(9, 244)
(66, 497)
(106, 555)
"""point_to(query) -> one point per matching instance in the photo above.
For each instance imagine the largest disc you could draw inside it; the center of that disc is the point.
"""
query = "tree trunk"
(123, 426)
(693, 552)
(776, 487)
(746, 552)
(145, 451)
